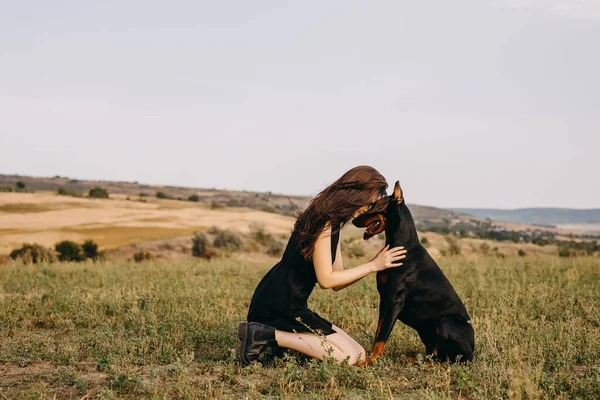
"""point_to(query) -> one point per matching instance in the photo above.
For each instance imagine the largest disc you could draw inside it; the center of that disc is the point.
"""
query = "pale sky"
(468, 103)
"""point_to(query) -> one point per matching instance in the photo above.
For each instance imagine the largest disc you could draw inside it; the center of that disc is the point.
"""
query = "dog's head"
(376, 222)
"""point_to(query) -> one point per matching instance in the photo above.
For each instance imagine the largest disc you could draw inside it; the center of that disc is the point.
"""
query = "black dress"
(282, 294)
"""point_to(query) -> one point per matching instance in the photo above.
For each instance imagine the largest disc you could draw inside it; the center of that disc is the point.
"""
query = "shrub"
(98, 193)
(33, 253)
(194, 198)
(5, 259)
(276, 248)
(453, 246)
(69, 251)
(258, 233)
(228, 240)
(90, 249)
(66, 192)
(210, 252)
(21, 185)
(484, 248)
(425, 241)
(564, 251)
(214, 205)
(354, 250)
(143, 256)
(213, 230)
(199, 244)
(522, 253)
(6, 189)
(162, 195)
(201, 248)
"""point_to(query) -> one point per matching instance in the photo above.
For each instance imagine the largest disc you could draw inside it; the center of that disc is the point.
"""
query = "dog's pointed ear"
(398, 192)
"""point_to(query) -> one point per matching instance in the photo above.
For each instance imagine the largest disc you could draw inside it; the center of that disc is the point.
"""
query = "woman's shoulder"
(330, 229)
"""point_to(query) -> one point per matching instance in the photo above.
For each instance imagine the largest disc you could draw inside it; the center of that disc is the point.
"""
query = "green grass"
(168, 330)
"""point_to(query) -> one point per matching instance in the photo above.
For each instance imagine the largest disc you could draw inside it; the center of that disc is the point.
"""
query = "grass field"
(168, 330)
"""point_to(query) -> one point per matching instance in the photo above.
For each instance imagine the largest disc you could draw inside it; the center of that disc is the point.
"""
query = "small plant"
(69, 251)
(141, 256)
(453, 246)
(33, 254)
(98, 193)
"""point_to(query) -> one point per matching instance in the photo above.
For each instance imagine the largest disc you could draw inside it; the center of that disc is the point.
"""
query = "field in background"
(158, 225)
(47, 218)
(163, 329)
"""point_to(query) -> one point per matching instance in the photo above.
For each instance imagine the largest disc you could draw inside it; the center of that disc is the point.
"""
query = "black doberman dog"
(417, 293)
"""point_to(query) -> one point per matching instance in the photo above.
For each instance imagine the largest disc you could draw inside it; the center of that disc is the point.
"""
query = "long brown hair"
(336, 204)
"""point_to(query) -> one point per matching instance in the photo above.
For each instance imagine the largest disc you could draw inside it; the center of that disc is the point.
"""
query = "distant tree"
(90, 249)
(98, 193)
(33, 254)
(69, 251)
(162, 195)
(21, 185)
(522, 253)
(194, 198)
(425, 241)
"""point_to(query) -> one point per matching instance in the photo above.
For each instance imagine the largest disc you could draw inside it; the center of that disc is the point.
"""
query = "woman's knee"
(350, 351)
(358, 355)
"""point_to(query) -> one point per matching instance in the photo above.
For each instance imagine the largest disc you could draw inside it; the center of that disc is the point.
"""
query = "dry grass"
(168, 330)
(46, 218)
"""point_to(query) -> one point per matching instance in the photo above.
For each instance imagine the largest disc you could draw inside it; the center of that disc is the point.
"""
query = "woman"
(278, 313)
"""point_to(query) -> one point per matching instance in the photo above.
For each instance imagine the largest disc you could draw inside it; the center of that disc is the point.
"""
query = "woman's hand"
(385, 258)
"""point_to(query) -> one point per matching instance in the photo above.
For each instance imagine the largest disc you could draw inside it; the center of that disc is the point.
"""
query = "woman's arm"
(338, 265)
(328, 277)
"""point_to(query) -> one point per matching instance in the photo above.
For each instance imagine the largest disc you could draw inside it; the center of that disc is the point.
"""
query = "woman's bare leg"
(357, 348)
(334, 345)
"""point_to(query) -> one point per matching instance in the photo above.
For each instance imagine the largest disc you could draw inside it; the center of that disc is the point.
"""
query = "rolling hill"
(539, 216)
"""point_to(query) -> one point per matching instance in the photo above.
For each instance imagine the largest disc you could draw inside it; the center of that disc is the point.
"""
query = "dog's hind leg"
(455, 340)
